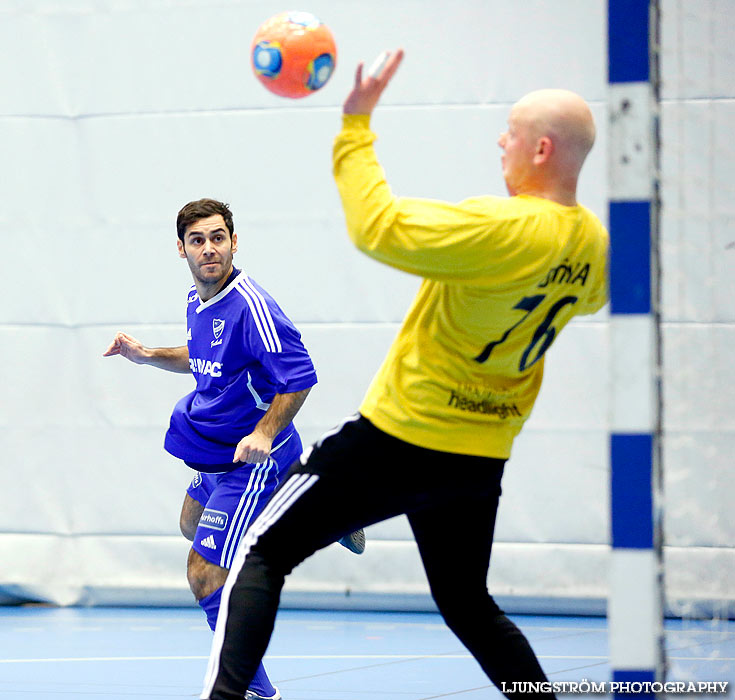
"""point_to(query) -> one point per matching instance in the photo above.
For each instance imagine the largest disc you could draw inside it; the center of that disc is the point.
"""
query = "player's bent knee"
(204, 577)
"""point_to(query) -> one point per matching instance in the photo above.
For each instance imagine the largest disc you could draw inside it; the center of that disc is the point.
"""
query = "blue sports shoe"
(355, 541)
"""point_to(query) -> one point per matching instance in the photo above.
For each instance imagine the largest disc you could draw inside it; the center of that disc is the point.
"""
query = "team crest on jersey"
(218, 325)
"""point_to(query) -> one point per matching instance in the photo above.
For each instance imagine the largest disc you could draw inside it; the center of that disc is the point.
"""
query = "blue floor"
(116, 654)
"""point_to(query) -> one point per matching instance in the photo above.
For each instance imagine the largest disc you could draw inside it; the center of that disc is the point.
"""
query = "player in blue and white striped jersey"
(235, 429)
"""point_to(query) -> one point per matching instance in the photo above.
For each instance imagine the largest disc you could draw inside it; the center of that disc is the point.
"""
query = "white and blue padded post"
(635, 607)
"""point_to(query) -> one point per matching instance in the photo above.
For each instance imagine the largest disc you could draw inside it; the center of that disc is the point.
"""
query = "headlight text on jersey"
(199, 366)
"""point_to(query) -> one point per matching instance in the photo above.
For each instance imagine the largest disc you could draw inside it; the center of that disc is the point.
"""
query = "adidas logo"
(208, 542)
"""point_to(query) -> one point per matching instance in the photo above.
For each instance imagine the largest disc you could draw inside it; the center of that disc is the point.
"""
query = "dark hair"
(202, 209)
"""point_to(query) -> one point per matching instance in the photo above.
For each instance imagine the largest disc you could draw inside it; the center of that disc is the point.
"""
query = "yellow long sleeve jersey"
(502, 277)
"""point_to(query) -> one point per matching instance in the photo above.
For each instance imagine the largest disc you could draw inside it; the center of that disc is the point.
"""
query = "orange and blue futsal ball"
(293, 54)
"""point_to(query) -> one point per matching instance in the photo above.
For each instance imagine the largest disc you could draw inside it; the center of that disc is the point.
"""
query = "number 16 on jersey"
(543, 334)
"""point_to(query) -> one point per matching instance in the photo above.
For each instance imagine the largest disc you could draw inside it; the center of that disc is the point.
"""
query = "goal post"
(635, 603)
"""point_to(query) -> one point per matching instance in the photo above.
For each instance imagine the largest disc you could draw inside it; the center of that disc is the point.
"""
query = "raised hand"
(367, 91)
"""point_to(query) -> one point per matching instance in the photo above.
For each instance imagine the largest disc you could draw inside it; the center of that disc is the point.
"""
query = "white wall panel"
(90, 480)
(699, 580)
(60, 378)
(42, 183)
(271, 159)
(125, 483)
(39, 567)
(698, 374)
(555, 488)
(698, 215)
(38, 384)
(164, 55)
(26, 34)
(95, 570)
(467, 49)
(699, 483)
(37, 465)
(698, 49)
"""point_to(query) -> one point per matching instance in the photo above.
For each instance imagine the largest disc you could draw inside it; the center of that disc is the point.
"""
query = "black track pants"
(354, 477)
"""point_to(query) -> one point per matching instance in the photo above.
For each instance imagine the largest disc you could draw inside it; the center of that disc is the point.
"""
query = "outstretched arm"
(171, 359)
(256, 447)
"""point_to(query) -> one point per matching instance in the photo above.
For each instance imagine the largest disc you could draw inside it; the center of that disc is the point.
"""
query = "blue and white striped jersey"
(242, 351)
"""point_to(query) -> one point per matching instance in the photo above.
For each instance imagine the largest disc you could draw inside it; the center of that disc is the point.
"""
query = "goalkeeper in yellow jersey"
(502, 276)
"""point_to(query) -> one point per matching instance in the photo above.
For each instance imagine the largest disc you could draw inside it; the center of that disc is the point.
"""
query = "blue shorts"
(232, 500)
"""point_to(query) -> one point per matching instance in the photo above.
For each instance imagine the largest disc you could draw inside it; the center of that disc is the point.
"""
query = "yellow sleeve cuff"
(355, 121)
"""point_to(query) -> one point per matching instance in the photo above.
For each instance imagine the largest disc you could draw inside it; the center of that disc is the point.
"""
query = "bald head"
(550, 133)
(561, 115)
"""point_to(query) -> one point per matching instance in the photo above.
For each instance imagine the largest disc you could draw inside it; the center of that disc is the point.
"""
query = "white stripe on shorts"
(292, 490)
(244, 512)
(248, 502)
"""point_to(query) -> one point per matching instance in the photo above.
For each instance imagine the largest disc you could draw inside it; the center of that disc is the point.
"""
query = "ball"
(293, 54)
